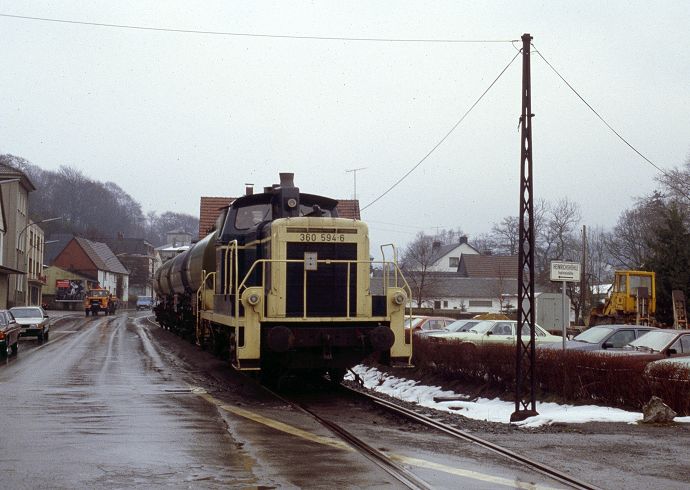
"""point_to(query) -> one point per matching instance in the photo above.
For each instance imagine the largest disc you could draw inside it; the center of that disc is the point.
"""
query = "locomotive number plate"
(321, 237)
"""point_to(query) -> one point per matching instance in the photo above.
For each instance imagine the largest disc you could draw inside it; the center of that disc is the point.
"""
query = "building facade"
(95, 261)
(15, 187)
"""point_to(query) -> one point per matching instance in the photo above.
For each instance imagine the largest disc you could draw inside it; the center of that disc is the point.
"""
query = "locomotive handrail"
(200, 294)
(385, 265)
(229, 265)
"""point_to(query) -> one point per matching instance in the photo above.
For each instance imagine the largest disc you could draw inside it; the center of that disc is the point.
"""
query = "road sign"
(565, 271)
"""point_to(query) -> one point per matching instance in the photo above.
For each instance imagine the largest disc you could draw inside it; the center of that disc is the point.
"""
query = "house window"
(437, 304)
(445, 304)
(453, 262)
(481, 303)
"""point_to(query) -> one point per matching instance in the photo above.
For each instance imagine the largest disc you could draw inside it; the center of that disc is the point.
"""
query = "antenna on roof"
(354, 174)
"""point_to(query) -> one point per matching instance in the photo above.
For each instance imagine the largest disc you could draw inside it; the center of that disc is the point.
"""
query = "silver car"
(33, 320)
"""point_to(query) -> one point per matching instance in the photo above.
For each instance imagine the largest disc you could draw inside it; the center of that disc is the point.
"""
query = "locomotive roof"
(265, 197)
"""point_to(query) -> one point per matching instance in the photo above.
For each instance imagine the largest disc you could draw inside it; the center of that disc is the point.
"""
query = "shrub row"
(571, 376)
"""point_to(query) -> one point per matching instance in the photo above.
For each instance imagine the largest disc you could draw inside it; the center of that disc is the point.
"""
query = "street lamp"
(26, 256)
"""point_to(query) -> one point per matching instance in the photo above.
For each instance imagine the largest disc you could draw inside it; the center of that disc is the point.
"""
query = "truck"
(631, 300)
(99, 299)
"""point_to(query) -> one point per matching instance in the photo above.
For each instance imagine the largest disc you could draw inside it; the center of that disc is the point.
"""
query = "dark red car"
(9, 334)
(426, 324)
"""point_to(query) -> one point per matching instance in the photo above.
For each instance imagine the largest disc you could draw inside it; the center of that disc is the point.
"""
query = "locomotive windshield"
(253, 214)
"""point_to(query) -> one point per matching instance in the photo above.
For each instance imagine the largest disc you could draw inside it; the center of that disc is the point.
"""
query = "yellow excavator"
(631, 300)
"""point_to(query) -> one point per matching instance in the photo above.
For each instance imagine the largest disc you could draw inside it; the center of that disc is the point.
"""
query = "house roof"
(8, 172)
(210, 208)
(450, 285)
(101, 256)
(502, 266)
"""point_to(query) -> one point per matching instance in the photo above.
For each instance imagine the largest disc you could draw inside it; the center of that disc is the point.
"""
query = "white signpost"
(565, 272)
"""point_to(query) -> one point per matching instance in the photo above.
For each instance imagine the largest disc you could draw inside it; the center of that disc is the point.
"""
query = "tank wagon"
(283, 284)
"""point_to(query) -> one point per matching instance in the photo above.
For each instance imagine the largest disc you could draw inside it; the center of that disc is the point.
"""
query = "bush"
(578, 377)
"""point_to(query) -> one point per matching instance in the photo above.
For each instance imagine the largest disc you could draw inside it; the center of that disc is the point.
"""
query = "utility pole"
(354, 174)
(525, 354)
(583, 277)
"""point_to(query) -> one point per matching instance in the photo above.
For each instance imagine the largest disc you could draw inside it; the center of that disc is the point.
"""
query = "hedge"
(577, 377)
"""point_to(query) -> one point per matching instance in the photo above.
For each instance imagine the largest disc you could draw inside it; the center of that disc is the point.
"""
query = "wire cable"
(248, 34)
(670, 183)
(446, 135)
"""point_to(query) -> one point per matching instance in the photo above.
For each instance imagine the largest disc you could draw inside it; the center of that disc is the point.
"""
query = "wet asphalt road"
(115, 402)
(96, 407)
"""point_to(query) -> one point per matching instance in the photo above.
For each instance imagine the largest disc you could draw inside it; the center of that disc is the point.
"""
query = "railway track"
(541, 468)
(403, 475)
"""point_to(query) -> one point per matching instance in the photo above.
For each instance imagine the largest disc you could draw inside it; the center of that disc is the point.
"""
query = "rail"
(460, 434)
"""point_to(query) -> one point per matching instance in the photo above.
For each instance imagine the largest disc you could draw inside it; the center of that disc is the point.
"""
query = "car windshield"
(593, 335)
(413, 322)
(100, 293)
(461, 325)
(144, 299)
(483, 326)
(654, 340)
(26, 312)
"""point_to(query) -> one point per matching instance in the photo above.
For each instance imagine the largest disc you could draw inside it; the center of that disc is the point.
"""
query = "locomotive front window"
(306, 209)
(250, 216)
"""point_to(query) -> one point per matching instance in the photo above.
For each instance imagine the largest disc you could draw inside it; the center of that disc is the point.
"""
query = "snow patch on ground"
(492, 410)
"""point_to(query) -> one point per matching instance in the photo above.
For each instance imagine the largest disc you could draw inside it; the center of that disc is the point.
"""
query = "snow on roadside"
(492, 410)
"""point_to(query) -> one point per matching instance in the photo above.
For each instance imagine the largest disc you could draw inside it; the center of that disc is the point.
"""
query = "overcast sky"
(172, 116)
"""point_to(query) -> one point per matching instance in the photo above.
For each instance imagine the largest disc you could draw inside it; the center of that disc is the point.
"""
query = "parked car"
(144, 302)
(34, 321)
(9, 334)
(498, 332)
(657, 344)
(426, 324)
(603, 337)
(455, 327)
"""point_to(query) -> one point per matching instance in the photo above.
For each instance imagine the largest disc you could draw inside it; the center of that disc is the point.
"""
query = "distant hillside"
(93, 209)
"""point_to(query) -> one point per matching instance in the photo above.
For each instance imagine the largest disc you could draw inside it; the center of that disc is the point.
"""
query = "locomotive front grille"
(326, 288)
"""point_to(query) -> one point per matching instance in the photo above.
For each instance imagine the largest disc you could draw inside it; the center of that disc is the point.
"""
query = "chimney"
(436, 245)
(463, 239)
(248, 189)
(287, 179)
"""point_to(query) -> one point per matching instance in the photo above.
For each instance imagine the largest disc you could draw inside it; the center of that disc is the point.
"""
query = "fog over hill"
(92, 208)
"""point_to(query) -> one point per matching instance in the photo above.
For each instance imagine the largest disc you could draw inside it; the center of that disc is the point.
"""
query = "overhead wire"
(670, 183)
(445, 137)
(249, 34)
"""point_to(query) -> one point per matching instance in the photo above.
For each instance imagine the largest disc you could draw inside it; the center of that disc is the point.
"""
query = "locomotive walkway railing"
(387, 267)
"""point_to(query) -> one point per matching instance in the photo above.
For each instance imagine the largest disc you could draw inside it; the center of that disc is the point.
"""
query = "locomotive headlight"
(253, 299)
(399, 299)
(292, 202)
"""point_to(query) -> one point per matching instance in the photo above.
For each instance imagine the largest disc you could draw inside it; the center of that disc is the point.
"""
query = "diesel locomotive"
(282, 284)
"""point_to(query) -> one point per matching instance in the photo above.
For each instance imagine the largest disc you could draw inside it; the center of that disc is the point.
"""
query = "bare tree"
(506, 235)
(629, 242)
(417, 264)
